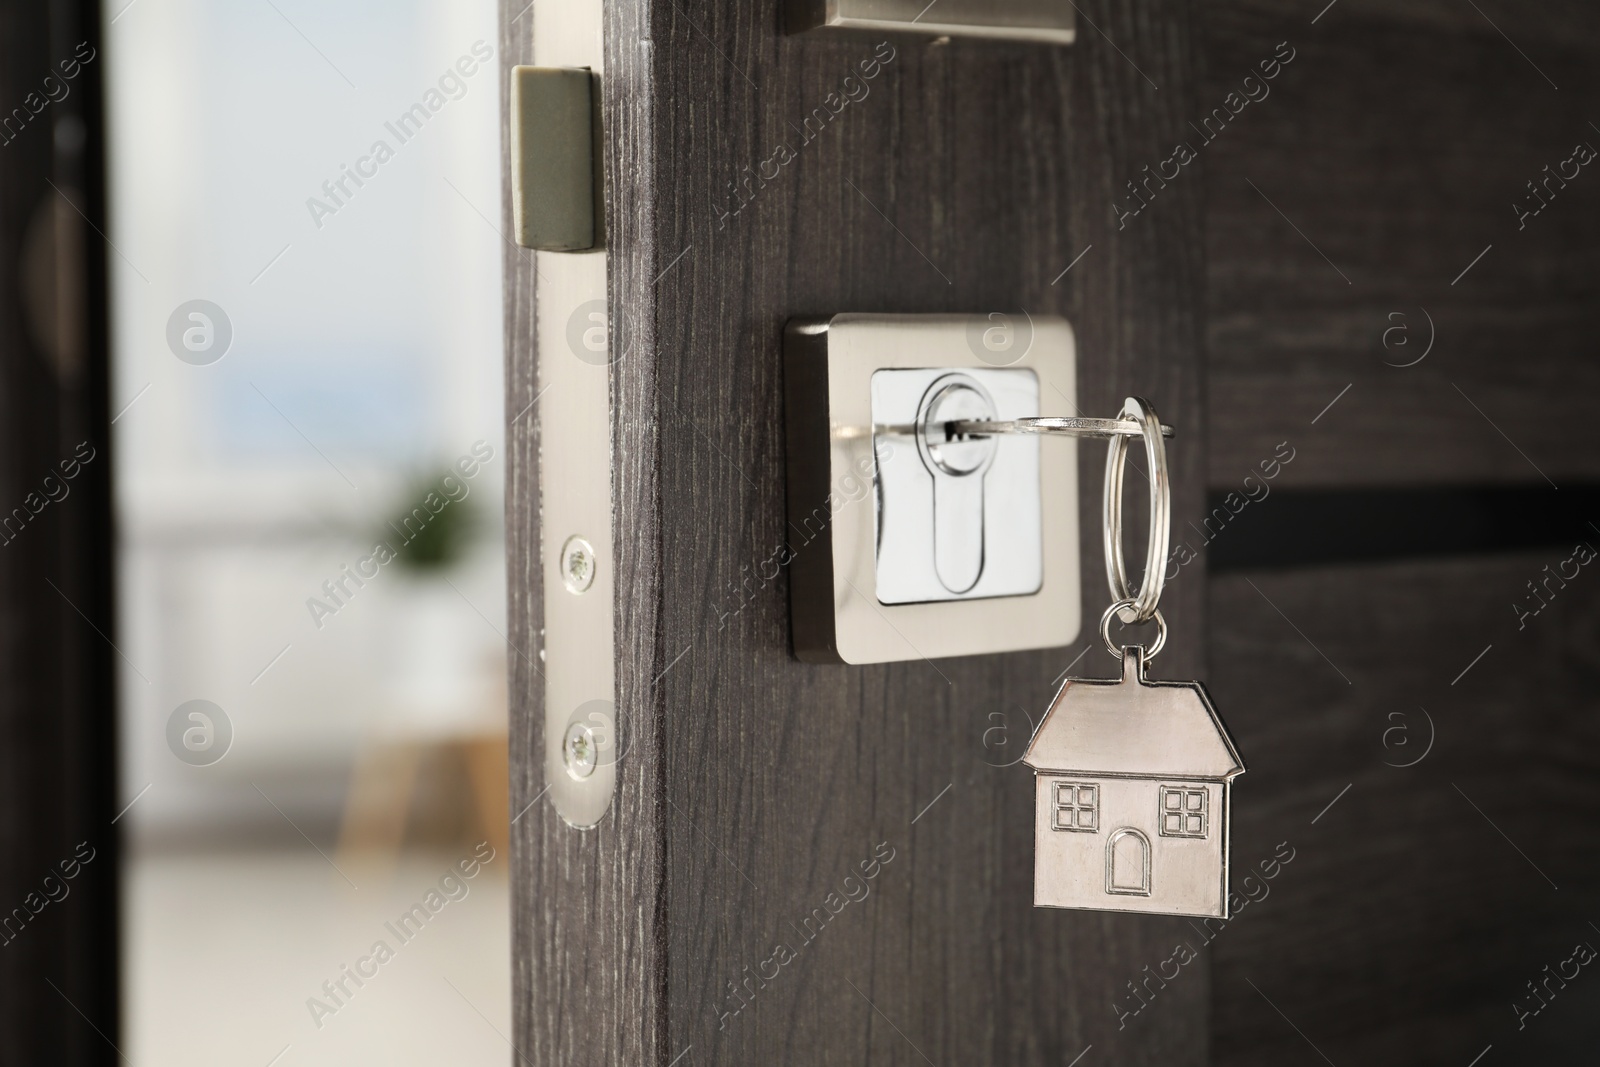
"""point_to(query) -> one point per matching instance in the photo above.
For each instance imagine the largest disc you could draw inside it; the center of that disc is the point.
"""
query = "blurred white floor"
(223, 950)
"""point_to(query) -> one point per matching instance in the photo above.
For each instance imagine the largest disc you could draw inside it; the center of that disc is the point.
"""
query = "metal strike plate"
(1043, 21)
(904, 541)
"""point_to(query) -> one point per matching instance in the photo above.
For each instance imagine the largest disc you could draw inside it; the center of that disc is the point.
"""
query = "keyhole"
(953, 453)
(958, 463)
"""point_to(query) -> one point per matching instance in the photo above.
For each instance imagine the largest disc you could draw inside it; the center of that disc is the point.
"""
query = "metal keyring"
(1140, 607)
(1121, 605)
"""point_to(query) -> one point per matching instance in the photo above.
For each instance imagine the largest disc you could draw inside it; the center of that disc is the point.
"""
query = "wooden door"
(973, 176)
(1401, 633)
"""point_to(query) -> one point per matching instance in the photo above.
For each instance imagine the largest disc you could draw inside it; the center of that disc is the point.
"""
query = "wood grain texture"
(1408, 925)
(1554, 25)
(537, 965)
(587, 918)
(58, 790)
(967, 178)
(1385, 160)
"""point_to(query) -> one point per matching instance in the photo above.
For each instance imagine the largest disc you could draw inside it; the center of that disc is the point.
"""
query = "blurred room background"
(307, 365)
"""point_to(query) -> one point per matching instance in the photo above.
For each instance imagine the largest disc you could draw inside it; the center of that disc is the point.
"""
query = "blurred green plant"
(432, 540)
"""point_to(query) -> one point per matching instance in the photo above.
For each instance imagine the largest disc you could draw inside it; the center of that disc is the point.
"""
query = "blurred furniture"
(445, 701)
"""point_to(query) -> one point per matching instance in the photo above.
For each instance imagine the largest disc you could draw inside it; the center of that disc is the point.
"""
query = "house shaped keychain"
(1133, 777)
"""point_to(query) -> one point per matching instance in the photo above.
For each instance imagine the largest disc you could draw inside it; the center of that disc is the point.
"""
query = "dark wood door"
(1365, 293)
(1403, 632)
(970, 178)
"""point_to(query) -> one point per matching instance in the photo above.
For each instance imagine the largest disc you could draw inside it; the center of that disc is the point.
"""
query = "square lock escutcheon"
(909, 539)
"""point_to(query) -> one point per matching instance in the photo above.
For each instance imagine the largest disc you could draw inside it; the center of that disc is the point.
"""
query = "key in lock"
(957, 515)
(959, 464)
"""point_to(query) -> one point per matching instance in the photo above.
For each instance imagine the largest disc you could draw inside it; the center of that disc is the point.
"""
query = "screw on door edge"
(580, 751)
(578, 564)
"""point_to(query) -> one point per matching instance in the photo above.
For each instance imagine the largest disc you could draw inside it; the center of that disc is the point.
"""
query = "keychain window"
(1183, 811)
(1077, 807)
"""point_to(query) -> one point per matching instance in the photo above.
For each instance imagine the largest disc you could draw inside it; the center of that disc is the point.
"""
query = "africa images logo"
(452, 85)
(199, 332)
(199, 733)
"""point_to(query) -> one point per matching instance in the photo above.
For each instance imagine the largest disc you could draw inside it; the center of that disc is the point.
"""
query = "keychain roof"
(1171, 731)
